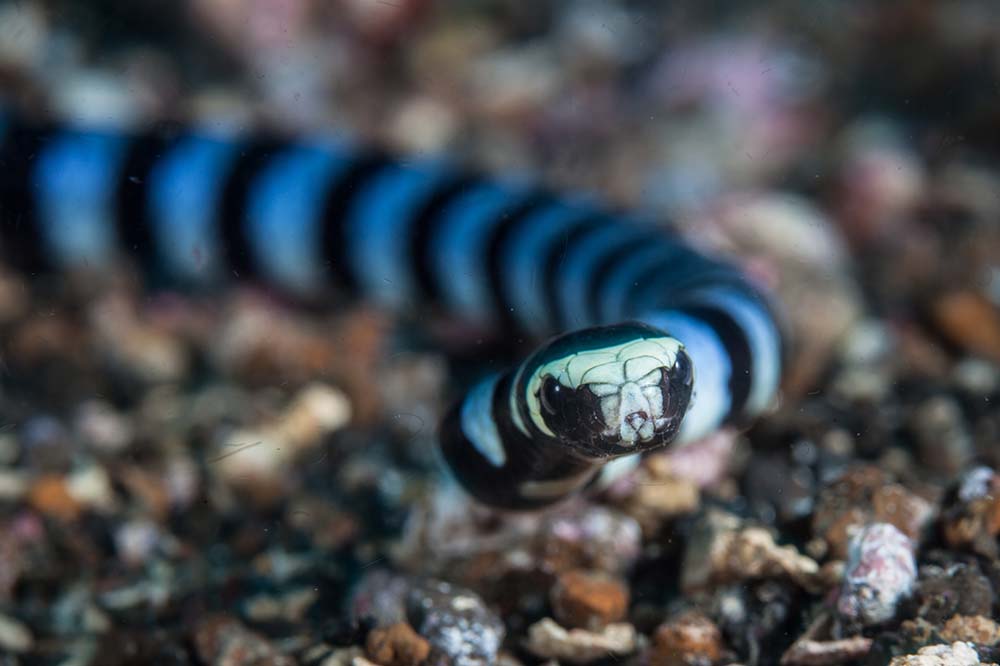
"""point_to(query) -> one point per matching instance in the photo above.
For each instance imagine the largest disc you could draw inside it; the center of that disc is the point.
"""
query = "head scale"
(607, 391)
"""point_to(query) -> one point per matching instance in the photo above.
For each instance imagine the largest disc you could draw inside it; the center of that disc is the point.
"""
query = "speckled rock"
(880, 572)
(721, 550)
(456, 622)
(956, 654)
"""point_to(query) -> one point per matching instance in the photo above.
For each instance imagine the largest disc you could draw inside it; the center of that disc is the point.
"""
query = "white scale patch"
(625, 377)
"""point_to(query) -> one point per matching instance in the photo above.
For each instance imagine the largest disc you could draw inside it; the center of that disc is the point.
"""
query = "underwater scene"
(499, 333)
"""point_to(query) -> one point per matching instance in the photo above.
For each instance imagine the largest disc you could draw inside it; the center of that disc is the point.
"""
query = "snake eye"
(681, 374)
(572, 415)
(676, 386)
(551, 395)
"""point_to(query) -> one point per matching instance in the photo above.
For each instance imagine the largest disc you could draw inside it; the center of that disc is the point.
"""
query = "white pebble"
(14, 635)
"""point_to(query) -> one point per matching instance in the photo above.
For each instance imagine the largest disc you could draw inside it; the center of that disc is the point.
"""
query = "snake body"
(658, 343)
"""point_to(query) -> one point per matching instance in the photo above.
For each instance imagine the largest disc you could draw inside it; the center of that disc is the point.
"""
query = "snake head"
(608, 391)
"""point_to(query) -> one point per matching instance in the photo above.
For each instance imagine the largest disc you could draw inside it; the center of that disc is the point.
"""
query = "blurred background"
(188, 479)
(877, 120)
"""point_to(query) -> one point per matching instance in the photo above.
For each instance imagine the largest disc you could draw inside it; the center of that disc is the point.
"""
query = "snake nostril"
(636, 419)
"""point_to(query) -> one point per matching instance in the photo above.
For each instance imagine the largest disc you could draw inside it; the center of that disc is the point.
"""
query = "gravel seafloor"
(230, 479)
